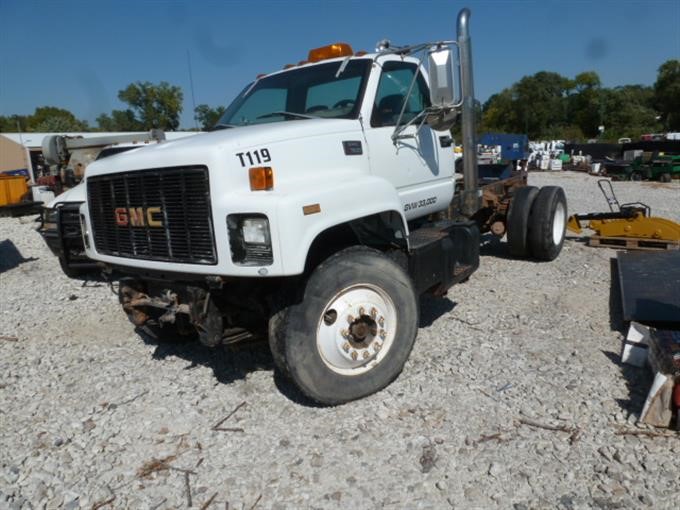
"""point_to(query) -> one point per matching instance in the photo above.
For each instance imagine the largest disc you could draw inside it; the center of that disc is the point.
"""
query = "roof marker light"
(330, 51)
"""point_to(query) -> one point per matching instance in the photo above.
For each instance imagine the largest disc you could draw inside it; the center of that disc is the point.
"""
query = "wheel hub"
(355, 339)
(361, 340)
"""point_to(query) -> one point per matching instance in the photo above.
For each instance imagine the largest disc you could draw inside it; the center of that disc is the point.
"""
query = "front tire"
(354, 329)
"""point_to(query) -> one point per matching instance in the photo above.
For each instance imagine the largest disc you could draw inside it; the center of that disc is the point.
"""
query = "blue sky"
(78, 54)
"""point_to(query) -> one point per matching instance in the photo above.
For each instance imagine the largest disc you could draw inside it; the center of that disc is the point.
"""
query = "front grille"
(159, 214)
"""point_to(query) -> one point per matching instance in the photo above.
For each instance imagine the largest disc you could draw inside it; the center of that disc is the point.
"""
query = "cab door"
(419, 165)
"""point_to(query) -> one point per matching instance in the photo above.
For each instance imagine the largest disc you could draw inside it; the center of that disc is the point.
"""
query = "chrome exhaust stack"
(470, 197)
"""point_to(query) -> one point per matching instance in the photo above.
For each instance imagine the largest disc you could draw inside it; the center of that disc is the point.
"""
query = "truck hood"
(75, 194)
(199, 149)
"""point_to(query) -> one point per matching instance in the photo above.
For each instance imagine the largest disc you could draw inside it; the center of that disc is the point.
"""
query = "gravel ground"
(93, 415)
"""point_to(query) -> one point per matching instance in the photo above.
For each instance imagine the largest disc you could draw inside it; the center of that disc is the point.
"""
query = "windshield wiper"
(219, 126)
(289, 114)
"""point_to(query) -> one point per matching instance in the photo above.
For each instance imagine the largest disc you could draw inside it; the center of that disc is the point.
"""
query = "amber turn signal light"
(261, 178)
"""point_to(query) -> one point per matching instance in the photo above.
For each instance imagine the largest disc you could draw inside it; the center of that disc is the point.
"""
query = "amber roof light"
(330, 51)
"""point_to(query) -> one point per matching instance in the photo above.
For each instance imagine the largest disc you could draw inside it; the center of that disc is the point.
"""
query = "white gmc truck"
(318, 210)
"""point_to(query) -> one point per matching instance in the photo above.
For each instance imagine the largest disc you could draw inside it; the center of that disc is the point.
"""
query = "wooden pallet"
(633, 243)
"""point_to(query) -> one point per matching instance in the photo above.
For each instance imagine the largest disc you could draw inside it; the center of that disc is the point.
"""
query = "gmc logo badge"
(138, 216)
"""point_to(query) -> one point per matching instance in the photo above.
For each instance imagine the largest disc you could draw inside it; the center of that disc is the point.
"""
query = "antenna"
(191, 84)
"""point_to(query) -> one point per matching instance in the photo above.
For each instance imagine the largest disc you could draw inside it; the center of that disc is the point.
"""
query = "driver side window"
(395, 81)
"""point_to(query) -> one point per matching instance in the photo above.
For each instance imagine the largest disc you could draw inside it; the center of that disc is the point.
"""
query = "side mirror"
(443, 91)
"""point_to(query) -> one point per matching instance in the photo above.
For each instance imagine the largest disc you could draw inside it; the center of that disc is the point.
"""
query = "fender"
(315, 207)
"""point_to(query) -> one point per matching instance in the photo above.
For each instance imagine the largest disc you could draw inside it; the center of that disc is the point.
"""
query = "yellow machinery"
(13, 188)
(15, 197)
(627, 222)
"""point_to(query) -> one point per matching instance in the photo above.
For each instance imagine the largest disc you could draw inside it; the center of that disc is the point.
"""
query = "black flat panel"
(650, 287)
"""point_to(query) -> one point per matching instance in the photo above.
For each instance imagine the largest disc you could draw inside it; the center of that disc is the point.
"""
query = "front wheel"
(354, 329)
(665, 177)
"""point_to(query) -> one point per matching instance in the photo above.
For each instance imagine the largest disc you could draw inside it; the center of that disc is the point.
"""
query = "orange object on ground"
(12, 189)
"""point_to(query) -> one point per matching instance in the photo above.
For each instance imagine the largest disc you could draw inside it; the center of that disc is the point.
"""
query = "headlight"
(256, 231)
(49, 218)
(250, 239)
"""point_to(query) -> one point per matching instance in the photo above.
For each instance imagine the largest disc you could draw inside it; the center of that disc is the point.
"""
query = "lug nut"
(366, 354)
(381, 322)
(374, 312)
(377, 346)
(344, 333)
(354, 355)
(361, 311)
(350, 319)
(383, 334)
(346, 346)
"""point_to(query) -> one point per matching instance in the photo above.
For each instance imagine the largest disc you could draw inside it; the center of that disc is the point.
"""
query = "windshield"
(307, 92)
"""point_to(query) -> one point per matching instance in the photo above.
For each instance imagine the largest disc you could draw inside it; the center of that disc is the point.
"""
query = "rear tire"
(518, 220)
(353, 331)
(636, 176)
(548, 223)
(665, 177)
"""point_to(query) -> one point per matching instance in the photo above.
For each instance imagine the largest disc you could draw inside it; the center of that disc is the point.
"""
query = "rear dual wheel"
(353, 331)
(548, 223)
(537, 221)
(518, 220)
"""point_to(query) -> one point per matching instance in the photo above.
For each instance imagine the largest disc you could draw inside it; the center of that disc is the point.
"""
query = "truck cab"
(322, 135)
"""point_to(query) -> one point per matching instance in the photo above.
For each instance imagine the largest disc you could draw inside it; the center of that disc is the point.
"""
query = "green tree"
(208, 116)
(499, 113)
(50, 119)
(13, 123)
(154, 106)
(535, 105)
(584, 104)
(45, 119)
(119, 120)
(540, 103)
(629, 112)
(667, 94)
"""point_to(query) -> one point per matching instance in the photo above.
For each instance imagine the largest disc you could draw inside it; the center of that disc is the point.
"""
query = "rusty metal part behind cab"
(495, 201)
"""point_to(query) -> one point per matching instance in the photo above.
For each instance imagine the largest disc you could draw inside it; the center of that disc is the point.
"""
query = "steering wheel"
(344, 103)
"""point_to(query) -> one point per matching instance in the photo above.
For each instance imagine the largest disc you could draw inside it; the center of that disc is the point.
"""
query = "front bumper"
(52, 240)
(64, 237)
